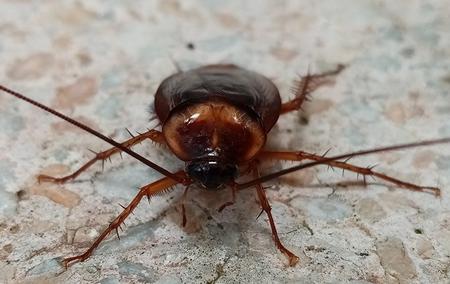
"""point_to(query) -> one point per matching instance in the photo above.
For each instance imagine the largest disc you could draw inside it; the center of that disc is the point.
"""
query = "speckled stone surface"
(101, 61)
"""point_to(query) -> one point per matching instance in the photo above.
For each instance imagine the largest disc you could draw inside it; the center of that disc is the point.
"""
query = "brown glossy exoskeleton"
(216, 118)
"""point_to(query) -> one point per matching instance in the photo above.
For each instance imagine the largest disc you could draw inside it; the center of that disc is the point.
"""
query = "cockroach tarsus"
(216, 119)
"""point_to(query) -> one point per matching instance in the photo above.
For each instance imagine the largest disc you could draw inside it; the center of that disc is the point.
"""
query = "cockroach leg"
(308, 84)
(293, 259)
(299, 156)
(232, 201)
(152, 134)
(148, 190)
(183, 209)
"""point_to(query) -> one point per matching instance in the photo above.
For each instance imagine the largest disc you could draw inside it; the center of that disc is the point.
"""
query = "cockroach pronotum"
(216, 119)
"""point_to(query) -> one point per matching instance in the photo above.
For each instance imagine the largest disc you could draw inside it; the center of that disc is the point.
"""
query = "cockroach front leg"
(293, 259)
(299, 156)
(183, 208)
(148, 190)
(232, 201)
(308, 84)
(152, 134)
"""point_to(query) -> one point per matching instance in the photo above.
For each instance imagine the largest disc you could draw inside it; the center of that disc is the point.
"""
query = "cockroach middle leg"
(299, 156)
(148, 190)
(293, 259)
(308, 84)
(151, 134)
(232, 201)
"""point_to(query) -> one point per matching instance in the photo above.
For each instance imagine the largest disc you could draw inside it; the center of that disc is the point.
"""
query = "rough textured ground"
(101, 61)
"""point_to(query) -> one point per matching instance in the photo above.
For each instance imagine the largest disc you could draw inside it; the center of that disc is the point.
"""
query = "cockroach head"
(211, 174)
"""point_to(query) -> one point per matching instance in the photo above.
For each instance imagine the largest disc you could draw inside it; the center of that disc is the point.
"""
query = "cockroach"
(216, 119)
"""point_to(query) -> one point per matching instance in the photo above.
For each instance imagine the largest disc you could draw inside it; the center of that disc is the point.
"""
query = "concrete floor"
(100, 62)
